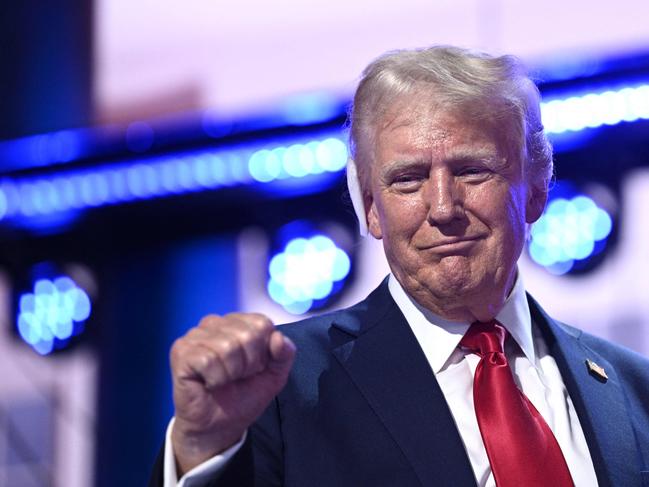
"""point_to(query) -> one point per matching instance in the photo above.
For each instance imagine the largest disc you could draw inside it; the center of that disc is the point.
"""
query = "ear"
(536, 200)
(356, 195)
(373, 218)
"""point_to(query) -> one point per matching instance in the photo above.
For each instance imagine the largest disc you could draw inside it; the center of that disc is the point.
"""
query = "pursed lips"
(451, 243)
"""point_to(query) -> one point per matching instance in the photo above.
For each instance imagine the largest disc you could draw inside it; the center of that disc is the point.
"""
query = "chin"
(457, 283)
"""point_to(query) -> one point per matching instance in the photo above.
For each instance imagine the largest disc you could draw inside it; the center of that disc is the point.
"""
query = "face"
(451, 205)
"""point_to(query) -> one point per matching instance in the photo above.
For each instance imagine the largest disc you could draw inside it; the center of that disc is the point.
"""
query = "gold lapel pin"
(597, 371)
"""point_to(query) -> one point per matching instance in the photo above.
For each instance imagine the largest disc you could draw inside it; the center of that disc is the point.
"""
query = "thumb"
(282, 353)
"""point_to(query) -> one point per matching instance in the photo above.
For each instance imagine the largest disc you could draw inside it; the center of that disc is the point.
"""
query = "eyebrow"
(491, 160)
(460, 156)
(470, 154)
(405, 164)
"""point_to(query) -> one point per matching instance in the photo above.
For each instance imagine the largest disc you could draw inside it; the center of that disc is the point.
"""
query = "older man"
(447, 374)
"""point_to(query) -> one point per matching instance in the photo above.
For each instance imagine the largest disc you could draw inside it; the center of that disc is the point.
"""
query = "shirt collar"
(443, 337)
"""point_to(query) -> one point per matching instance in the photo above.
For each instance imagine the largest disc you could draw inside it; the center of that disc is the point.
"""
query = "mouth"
(452, 244)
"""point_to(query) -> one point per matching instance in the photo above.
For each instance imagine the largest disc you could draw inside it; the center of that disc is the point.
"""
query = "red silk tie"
(521, 448)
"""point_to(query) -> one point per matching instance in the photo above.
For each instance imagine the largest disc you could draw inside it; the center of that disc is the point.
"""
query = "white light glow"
(47, 316)
(567, 232)
(306, 271)
(596, 109)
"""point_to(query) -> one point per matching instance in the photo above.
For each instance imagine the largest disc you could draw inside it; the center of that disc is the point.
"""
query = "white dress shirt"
(535, 373)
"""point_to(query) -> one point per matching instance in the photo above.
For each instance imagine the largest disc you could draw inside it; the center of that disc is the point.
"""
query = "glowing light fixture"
(305, 272)
(45, 149)
(595, 109)
(156, 177)
(298, 160)
(52, 313)
(310, 108)
(568, 231)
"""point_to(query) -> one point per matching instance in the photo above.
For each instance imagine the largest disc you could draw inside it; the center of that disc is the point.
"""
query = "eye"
(406, 178)
(478, 172)
(472, 170)
(407, 182)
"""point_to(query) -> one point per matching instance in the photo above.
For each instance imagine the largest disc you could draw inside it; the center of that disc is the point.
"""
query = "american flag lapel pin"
(596, 371)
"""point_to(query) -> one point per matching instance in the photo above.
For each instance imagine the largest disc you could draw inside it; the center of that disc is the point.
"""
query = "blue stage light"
(142, 181)
(310, 108)
(52, 313)
(331, 154)
(68, 192)
(569, 230)
(9, 192)
(218, 171)
(3, 204)
(237, 166)
(44, 149)
(591, 110)
(203, 172)
(292, 161)
(184, 175)
(167, 175)
(264, 165)
(298, 160)
(305, 272)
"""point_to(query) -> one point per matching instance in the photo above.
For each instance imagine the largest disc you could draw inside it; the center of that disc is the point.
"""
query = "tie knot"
(484, 338)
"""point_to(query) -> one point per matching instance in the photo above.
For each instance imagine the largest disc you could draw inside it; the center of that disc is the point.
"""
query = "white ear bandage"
(354, 187)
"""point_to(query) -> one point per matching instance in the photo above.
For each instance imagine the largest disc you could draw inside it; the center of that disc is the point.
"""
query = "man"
(447, 374)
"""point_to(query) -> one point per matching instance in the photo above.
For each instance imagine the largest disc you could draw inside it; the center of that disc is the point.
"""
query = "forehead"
(416, 122)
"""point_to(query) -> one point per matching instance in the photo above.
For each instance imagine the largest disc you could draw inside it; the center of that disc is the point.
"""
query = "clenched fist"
(225, 372)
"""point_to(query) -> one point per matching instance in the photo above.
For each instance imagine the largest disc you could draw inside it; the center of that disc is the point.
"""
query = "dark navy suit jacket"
(363, 408)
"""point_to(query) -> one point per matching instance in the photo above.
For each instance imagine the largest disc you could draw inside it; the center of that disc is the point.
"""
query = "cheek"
(502, 210)
(403, 214)
(399, 218)
(512, 218)
(501, 204)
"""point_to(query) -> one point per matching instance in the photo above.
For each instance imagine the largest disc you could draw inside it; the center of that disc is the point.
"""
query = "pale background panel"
(153, 57)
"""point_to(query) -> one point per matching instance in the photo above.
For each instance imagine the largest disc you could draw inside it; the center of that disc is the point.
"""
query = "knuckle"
(247, 336)
(195, 333)
(177, 350)
(235, 316)
(209, 321)
(207, 360)
(260, 322)
(228, 346)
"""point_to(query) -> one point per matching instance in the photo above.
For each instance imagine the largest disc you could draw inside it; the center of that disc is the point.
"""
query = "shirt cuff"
(201, 474)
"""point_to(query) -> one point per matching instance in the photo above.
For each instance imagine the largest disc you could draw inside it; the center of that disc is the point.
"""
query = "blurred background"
(162, 160)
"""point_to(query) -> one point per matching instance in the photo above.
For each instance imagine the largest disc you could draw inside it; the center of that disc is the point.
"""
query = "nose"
(443, 197)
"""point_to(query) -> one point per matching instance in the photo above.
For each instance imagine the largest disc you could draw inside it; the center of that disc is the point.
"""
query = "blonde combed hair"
(490, 89)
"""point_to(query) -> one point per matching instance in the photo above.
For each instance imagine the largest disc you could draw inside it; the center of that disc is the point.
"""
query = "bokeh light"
(52, 313)
(298, 160)
(168, 175)
(306, 272)
(593, 110)
(569, 230)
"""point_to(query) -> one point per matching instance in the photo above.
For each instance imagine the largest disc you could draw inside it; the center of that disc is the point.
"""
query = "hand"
(225, 372)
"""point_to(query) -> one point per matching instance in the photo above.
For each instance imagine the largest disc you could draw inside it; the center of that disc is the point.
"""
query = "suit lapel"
(600, 405)
(390, 370)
